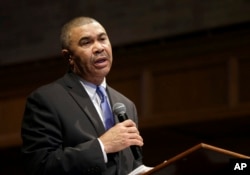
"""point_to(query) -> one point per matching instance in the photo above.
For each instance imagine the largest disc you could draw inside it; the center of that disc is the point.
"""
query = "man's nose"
(98, 47)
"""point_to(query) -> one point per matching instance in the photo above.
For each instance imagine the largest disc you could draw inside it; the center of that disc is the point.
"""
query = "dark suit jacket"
(60, 130)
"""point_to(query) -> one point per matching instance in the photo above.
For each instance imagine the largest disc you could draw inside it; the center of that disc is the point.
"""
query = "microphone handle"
(136, 150)
(122, 117)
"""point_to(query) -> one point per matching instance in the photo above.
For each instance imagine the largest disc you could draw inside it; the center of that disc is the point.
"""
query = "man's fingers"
(132, 130)
(128, 123)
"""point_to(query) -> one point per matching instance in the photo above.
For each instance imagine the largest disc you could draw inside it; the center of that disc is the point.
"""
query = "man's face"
(90, 52)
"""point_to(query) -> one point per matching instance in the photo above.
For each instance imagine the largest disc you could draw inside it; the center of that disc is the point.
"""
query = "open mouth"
(100, 63)
(100, 60)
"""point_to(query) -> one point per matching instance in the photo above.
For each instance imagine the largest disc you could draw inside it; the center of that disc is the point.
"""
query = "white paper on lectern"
(139, 170)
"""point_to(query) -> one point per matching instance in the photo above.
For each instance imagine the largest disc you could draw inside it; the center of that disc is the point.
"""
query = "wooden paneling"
(190, 88)
(11, 111)
(183, 80)
(244, 79)
(130, 86)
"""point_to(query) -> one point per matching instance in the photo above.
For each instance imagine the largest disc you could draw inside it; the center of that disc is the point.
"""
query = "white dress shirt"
(91, 90)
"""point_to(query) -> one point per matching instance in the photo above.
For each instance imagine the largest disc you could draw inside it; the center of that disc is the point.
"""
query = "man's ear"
(66, 54)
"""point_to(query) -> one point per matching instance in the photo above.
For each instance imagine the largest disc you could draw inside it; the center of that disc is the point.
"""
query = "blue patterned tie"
(106, 110)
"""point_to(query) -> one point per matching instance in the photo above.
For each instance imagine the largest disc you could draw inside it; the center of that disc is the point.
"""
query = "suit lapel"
(113, 98)
(81, 97)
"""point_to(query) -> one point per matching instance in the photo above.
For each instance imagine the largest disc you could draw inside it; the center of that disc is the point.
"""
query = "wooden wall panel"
(178, 81)
(244, 80)
(191, 88)
(11, 115)
(130, 87)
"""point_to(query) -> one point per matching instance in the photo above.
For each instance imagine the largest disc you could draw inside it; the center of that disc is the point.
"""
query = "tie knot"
(101, 92)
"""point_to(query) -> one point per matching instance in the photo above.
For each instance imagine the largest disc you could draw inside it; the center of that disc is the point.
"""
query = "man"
(63, 128)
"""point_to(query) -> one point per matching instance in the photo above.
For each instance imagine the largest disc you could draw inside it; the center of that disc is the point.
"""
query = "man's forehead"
(93, 27)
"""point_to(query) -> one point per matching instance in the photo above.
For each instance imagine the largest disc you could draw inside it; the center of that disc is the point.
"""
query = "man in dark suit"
(63, 128)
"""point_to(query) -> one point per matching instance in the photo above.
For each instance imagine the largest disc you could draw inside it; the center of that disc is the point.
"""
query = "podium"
(202, 159)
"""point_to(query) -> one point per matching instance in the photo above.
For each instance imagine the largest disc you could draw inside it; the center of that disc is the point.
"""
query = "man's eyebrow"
(84, 38)
(88, 37)
(103, 34)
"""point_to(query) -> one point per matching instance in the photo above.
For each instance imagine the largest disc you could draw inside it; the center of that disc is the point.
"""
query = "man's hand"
(121, 136)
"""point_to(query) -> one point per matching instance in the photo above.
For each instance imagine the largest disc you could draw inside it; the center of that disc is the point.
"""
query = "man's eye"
(103, 37)
(85, 42)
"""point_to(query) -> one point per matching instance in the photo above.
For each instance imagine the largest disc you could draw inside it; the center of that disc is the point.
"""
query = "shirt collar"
(91, 88)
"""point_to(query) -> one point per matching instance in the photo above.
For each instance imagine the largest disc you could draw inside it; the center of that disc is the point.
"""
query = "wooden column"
(233, 82)
(146, 93)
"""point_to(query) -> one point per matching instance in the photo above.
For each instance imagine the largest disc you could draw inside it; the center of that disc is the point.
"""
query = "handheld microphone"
(120, 110)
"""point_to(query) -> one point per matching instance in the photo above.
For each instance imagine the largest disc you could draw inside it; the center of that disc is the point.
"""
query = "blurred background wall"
(185, 64)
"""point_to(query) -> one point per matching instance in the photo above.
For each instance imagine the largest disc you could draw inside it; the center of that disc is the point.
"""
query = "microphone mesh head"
(119, 108)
